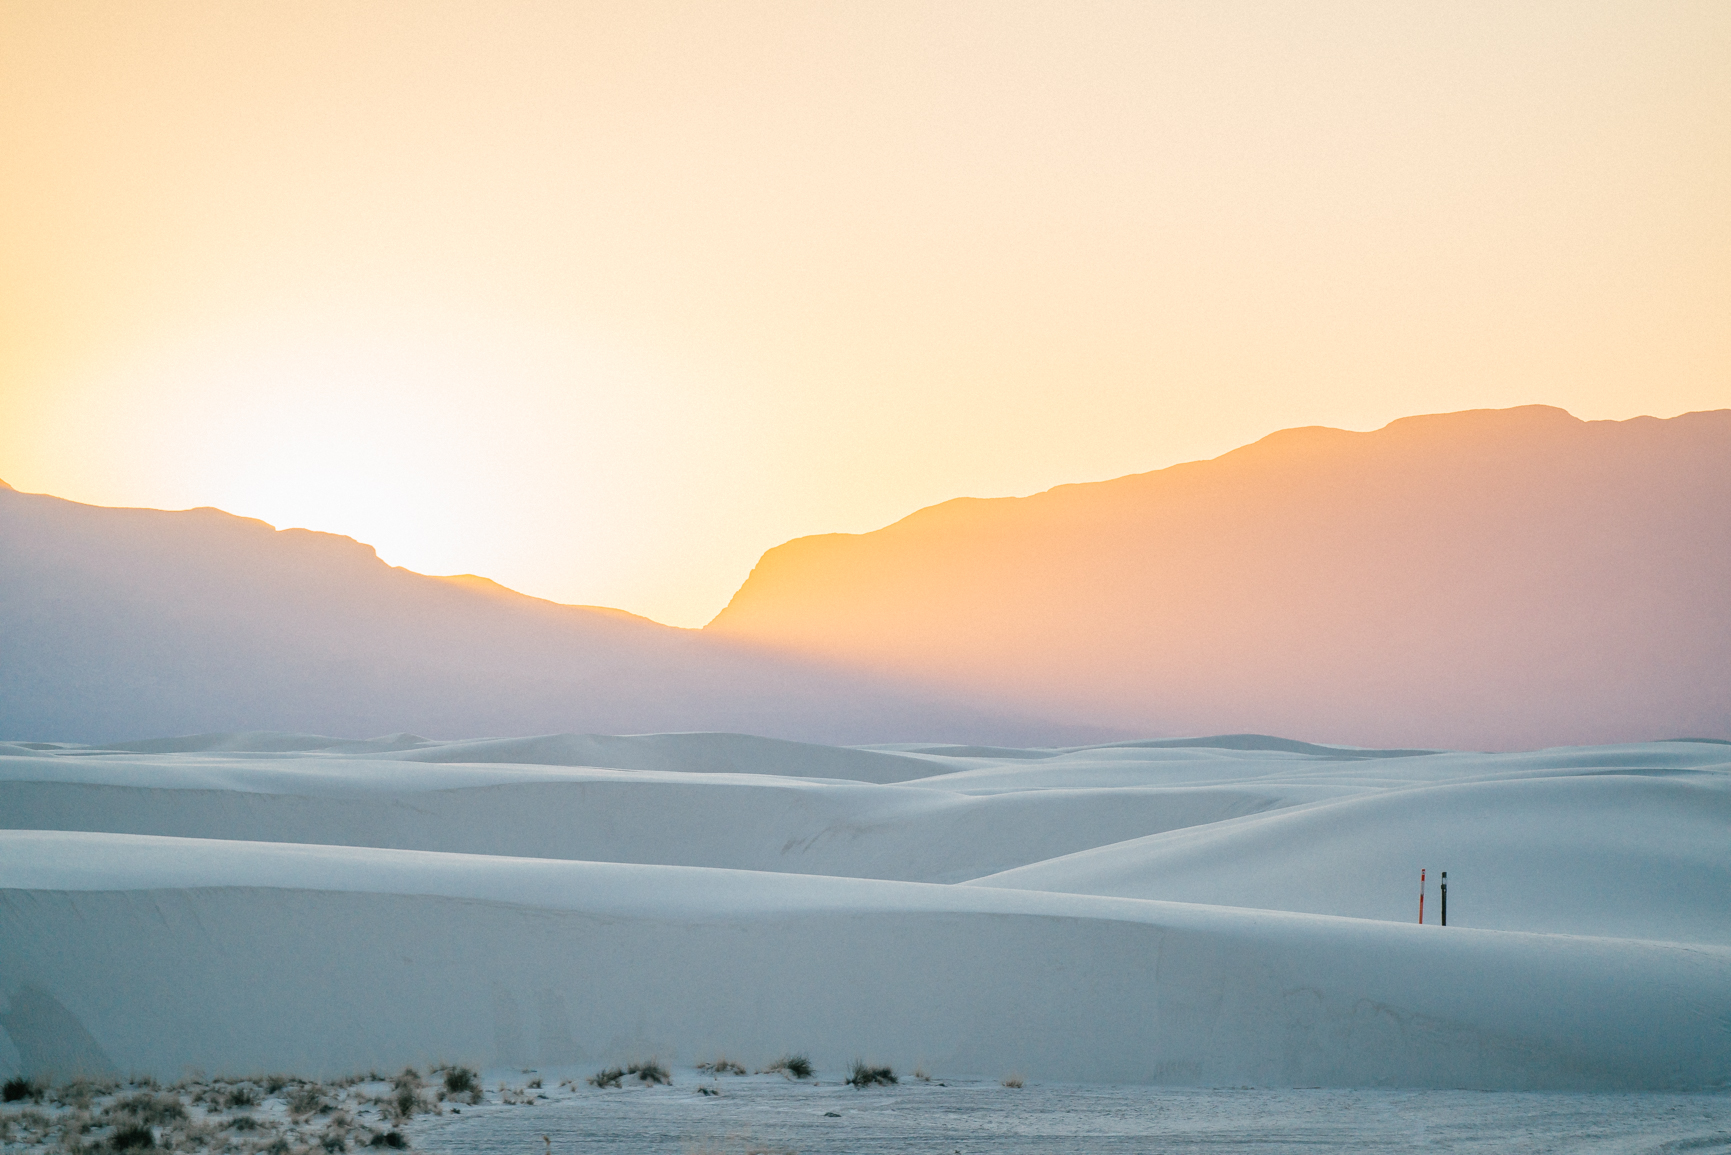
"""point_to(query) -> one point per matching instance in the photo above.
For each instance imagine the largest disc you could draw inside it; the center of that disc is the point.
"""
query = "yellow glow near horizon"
(603, 301)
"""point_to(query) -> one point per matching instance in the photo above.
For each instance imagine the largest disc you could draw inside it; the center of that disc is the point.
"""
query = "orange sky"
(603, 300)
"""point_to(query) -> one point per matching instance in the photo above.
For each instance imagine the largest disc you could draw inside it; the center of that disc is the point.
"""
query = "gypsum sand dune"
(1627, 854)
(526, 1021)
(1621, 841)
(245, 956)
(740, 821)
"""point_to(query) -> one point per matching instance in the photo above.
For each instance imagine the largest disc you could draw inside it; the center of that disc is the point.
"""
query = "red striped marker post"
(1421, 896)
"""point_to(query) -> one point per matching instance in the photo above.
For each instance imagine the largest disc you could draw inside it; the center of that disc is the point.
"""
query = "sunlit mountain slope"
(1491, 579)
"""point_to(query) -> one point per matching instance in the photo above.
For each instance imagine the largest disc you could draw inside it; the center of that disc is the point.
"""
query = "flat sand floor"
(764, 1115)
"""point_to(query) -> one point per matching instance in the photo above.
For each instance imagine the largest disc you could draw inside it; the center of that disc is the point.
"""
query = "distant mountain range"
(127, 623)
(1490, 579)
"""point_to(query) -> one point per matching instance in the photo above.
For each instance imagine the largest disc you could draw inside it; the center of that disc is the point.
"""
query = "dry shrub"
(461, 1080)
(649, 1071)
(860, 1074)
(131, 1136)
(796, 1066)
(307, 1099)
(721, 1065)
(145, 1108)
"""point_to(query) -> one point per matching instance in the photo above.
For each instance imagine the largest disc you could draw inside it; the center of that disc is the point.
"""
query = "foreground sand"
(703, 1113)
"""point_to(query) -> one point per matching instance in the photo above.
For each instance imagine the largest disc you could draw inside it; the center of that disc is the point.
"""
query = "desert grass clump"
(608, 1078)
(80, 1093)
(241, 1095)
(145, 1108)
(131, 1137)
(17, 1089)
(393, 1139)
(649, 1071)
(793, 1066)
(191, 1134)
(405, 1096)
(243, 1123)
(1013, 1081)
(77, 1122)
(861, 1074)
(461, 1081)
(721, 1066)
(308, 1099)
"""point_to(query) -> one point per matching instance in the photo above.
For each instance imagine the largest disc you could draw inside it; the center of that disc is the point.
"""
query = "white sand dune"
(820, 824)
(1141, 912)
(1629, 855)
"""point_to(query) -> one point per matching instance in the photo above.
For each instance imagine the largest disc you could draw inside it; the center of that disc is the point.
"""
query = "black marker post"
(1445, 898)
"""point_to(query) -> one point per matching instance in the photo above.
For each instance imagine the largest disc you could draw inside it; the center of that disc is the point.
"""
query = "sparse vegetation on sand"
(861, 1074)
(793, 1066)
(152, 1110)
(1013, 1081)
(131, 1136)
(649, 1071)
(307, 1099)
(260, 1115)
(405, 1097)
(285, 1115)
(721, 1065)
(463, 1083)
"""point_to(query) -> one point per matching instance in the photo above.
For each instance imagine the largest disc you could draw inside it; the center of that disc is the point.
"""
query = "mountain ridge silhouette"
(1490, 579)
(127, 623)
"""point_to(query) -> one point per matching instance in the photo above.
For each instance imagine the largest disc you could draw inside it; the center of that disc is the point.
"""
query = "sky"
(604, 300)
